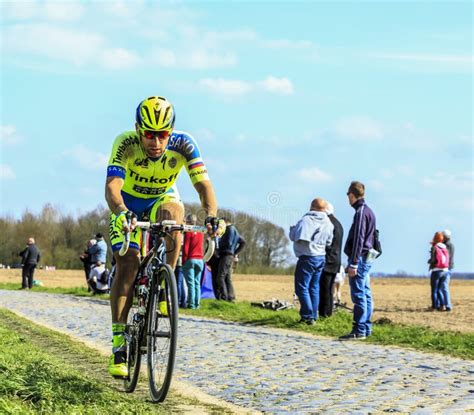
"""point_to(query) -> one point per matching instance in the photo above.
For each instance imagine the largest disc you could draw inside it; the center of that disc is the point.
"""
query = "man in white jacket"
(311, 235)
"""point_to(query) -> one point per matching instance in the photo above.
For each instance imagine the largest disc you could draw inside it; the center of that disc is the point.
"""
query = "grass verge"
(340, 323)
(42, 371)
(421, 338)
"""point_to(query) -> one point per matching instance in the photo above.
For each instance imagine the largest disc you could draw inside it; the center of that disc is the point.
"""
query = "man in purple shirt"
(359, 249)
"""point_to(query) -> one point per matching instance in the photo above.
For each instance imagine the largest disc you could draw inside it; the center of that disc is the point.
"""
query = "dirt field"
(401, 300)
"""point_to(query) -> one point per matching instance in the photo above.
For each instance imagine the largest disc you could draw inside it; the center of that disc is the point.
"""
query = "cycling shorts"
(115, 228)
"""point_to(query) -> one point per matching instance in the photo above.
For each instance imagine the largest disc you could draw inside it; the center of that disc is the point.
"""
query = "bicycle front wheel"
(162, 331)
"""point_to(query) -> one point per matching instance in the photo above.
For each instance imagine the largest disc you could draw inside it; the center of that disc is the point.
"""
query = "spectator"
(98, 251)
(332, 266)
(193, 247)
(30, 256)
(337, 286)
(360, 252)
(178, 271)
(439, 267)
(98, 280)
(450, 247)
(213, 264)
(85, 258)
(311, 235)
(230, 244)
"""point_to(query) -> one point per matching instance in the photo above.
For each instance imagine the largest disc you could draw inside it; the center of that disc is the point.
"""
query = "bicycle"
(152, 323)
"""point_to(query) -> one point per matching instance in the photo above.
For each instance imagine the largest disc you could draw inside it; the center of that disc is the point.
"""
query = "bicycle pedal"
(121, 377)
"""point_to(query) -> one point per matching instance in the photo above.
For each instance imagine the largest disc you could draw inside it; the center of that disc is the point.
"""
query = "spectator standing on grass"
(450, 247)
(311, 235)
(213, 264)
(193, 251)
(359, 250)
(439, 266)
(230, 244)
(30, 256)
(98, 251)
(85, 258)
(178, 272)
(337, 286)
(331, 267)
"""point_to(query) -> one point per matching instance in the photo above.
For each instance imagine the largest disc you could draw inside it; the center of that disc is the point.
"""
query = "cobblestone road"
(278, 371)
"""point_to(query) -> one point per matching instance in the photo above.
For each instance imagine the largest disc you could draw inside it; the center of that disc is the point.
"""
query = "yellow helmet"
(155, 114)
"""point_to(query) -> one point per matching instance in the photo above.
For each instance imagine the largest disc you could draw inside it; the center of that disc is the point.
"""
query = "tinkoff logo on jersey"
(152, 179)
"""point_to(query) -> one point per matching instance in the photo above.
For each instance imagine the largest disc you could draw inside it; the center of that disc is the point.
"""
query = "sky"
(288, 101)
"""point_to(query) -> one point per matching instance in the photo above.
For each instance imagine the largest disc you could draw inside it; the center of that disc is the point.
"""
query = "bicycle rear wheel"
(162, 332)
(134, 332)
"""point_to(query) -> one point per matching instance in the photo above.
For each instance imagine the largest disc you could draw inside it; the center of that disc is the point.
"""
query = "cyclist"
(141, 175)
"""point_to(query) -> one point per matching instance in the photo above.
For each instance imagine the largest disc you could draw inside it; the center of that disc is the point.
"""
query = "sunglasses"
(151, 135)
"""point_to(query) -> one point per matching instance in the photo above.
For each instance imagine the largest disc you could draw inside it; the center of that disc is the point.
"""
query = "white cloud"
(88, 159)
(359, 128)
(48, 10)
(412, 203)
(203, 59)
(205, 135)
(286, 44)
(119, 59)
(9, 135)
(428, 58)
(427, 62)
(277, 85)
(53, 42)
(466, 205)
(226, 86)
(314, 175)
(19, 10)
(377, 185)
(6, 172)
(234, 87)
(443, 180)
(164, 57)
(397, 171)
(62, 10)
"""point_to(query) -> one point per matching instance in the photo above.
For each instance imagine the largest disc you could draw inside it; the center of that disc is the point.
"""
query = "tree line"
(61, 237)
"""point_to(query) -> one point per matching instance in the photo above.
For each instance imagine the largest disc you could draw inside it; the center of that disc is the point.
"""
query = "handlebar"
(166, 227)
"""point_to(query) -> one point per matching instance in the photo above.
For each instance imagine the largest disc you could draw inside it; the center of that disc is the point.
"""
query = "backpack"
(377, 244)
(441, 257)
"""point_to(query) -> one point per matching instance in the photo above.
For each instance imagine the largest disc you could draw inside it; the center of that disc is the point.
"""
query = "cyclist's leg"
(121, 294)
(170, 207)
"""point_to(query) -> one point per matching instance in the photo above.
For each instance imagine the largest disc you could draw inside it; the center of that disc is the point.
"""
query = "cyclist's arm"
(113, 195)
(207, 196)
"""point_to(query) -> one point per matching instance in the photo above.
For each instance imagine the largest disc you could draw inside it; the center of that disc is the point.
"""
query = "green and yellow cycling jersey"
(146, 178)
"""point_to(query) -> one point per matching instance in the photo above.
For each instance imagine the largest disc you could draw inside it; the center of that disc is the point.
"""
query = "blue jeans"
(192, 270)
(361, 296)
(307, 274)
(444, 298)
(180, 286)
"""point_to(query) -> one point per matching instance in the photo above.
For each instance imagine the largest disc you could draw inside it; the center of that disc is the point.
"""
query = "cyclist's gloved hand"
(215, 226)
(127, 219)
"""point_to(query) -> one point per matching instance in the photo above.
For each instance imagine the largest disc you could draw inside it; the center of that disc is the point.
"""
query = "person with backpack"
(439, 279)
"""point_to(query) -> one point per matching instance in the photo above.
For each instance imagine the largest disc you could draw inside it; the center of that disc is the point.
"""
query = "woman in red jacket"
(192, 262)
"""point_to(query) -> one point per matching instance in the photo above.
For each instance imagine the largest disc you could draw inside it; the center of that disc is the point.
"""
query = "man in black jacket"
(332, 266)
(30, 257)
(230, 244)
(359, 250)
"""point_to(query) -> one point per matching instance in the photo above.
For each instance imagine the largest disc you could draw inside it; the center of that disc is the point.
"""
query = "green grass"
(420, 338)
(45, 372)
